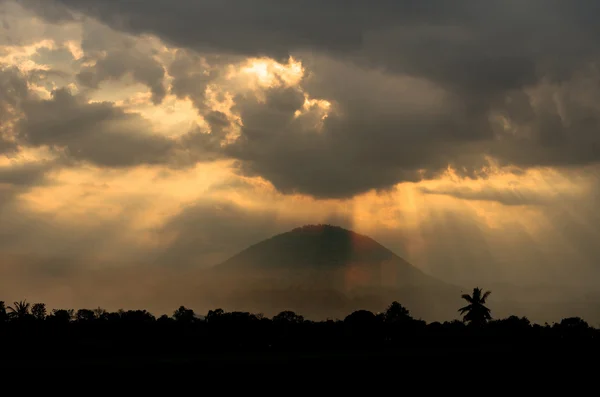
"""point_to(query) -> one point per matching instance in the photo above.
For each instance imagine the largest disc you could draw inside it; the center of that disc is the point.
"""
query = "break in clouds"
(333, 108)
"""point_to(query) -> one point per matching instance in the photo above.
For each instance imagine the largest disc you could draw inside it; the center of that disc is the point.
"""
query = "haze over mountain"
(327, 270)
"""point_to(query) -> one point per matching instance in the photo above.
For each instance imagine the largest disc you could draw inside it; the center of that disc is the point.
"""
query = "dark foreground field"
(411, 360)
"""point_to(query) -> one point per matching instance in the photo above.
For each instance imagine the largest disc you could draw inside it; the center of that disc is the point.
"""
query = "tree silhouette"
(85, 315)
(164, 319)
(476, 313)
(62, 316)
(100, 314)
(3, 314)
(141, 316)
(288, 317)
(573, 327)
(184, 315)
(19, 310)
(90, 335)
(396, 313)
(213, 315)
(38, 311)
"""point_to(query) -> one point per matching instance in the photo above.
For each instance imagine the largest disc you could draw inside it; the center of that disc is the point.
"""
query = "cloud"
(75, 128)
(53, 12)
(416, 87)
(19, 26)
(551, 124)
(96, 132)
(25, 174)
(503, 196)
(59, 59)
(192, 73)
(375, 130)
(112, 56)
(13, 90)
(116, 64)
(464, 43)
(16, 179)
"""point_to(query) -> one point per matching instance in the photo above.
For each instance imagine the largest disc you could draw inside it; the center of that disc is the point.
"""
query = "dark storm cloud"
(95, 132)
(375, 140)
(561, 124)
(483, 58)
(495, 44)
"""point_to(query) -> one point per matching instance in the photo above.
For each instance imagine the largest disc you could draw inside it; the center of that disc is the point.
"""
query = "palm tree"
(19, 310)
(476, 311)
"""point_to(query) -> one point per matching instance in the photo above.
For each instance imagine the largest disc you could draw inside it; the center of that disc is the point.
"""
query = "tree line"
(33, 330)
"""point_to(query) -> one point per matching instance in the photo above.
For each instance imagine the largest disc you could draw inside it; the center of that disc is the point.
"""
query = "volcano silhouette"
(324, 271)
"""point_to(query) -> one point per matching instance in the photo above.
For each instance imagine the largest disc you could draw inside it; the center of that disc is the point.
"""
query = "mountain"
(327, 249)
(324, 271)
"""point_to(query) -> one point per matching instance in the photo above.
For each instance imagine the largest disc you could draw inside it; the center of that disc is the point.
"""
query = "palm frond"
(485, 296)
(467, 297)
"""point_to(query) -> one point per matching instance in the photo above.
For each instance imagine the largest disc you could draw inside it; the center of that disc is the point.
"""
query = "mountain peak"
(319, 228)
(319, 245)
(323, 247)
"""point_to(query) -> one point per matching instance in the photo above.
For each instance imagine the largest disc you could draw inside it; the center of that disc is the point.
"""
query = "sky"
(142, 139)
